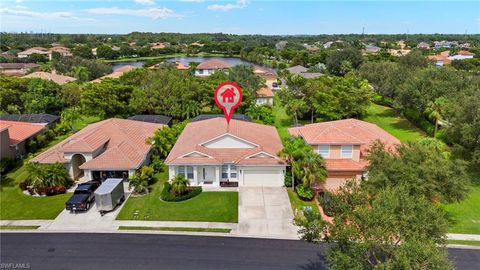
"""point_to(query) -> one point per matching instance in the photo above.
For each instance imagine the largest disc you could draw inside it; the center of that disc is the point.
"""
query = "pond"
(184, 60)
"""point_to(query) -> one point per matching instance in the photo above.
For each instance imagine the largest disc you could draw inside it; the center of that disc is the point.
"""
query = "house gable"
(228, 141)
(196, 154)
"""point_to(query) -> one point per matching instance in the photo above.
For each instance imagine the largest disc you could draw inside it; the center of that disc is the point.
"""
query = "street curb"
(462, 246)
(273, 237)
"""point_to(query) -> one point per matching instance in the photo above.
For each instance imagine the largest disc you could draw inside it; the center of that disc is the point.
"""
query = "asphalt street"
(146, 251)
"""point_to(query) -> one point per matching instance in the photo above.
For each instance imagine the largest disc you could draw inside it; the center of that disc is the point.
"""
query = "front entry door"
(208, 174)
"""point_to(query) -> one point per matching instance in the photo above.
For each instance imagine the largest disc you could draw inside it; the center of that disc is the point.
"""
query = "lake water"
(184, 60)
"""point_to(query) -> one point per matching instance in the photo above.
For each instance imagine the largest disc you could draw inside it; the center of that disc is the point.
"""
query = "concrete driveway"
(265, 211)
(90, 220)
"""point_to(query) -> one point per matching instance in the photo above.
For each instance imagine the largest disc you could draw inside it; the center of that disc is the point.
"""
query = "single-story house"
(303, 71)
(371, 49)
(264, 96)
(423, 45)
(35, 50)
(116, 73)
(212, 152)
(39, 118)
(152, 118)
(209, 67)
(14, 136)
(201, 117)
(461, 55)
(343, 144)
(57, 78)
(16, 69)
(109, 148)
(269, 75)
(63, 51)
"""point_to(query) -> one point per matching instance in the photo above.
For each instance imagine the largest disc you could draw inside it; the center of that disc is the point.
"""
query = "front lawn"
(16, 205)
(208, 206)
(394, 124)
(298, 204)
(464, 216)
(282, 120)
(175, 229)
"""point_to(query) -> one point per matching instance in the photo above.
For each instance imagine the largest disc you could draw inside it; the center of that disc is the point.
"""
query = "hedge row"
(169, 197)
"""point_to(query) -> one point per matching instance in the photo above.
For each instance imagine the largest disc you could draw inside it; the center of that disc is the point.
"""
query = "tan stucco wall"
(335, 152)
(337, 179)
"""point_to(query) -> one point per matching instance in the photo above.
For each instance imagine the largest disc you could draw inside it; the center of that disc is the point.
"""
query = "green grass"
(298, 204)
(282, 120)
(394, 124)
(16, 205)
(464, 242)
(464, 216)
(175, 229)
(208, 206)
(19, 227)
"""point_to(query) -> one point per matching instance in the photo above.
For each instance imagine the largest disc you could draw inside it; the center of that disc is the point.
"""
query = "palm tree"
(435, 110)
(57, 175)
(293, 151)
(179, 184)
(139, 182)
(36, 175)
(312, 169)
(191, 109)
(70, 117)
(81, 73)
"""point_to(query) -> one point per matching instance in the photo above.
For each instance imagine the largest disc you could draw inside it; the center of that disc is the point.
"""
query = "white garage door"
(263, 177)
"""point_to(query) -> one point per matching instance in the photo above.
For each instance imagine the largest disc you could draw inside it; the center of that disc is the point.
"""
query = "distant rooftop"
(202, 117)
(31, 118)
(152, 118)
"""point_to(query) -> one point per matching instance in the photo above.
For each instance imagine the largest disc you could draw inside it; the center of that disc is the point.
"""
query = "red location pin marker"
(228, 96)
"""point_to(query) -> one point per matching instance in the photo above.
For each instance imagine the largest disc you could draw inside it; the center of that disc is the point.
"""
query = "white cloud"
(193, 1)
(18, 1)
(145, 2)
(43, 15)
(154, 13)
(21, 7)
(229, 6)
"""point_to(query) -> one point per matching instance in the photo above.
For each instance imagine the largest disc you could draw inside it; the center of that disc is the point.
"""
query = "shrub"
(167, 196)
(157, 164)
(419, 120)
(305, 192)
(23, 185)
(327, 202)
(50, 191)
(287, 181)
(179, 185)
(7, 164)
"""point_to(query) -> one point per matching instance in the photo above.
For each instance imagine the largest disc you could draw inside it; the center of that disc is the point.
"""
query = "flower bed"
(167, 196)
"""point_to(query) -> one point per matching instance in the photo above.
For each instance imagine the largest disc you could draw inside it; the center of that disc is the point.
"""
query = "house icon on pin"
(228, 95)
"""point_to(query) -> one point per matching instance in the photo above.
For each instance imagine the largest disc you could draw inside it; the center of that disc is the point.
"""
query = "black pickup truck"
(82, 197)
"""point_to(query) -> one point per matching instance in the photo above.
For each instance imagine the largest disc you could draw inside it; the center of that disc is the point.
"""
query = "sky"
(240, 16)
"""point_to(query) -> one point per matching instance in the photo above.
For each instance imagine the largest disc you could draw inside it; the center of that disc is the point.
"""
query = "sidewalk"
(467, 237)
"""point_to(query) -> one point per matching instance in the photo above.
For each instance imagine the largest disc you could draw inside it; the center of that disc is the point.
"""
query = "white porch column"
(218, 176)
(171, 172)
(195, 176)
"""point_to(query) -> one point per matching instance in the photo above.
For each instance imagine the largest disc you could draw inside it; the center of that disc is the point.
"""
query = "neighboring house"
(311, 48)
(94, 51)
(269, 75)
(115, 74)
(35, 50)
(57, 78)
(112, 148)
(159, 45)
(298, 69)
(370, 49)
(212, 152)
(14, 136)
(461, 55)
(180, 66)
(441, 60)
(209, 67)
(399, 52)
(264, 96)
(38, 118)
(16, 69)
(303, 71)
(444, 44)
(63, 51)
(343, 144)
(152, 118)
(115, 48)
(240, 117)
(423, 45)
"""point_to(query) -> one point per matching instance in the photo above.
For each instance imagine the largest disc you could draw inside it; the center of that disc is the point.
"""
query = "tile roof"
(20, 131)
(265, 91)
(214, 64)
(202, 117)
(347, 131)
(116, 74)
(57, 78)
(31, 118)
(195, 134)
(344, 165)
(463, 52)
(124, 142)
(297, 69)
(152, 118)
(18, 65)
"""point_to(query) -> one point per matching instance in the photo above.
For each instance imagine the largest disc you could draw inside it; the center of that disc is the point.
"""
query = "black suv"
(82, 197)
